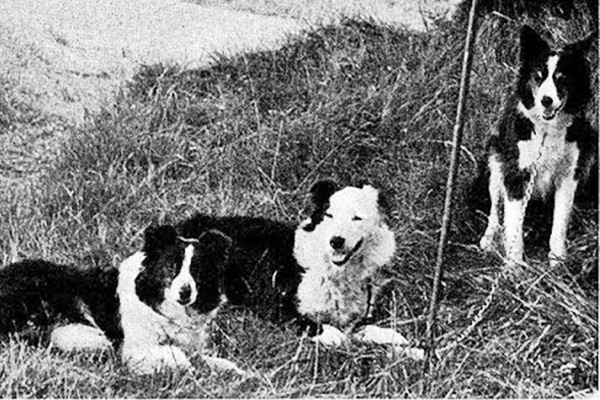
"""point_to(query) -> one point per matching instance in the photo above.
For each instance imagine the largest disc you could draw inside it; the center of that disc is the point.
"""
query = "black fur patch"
(164, 257)
(574, 69)
(43, 293)
(260, 272)
(320, 194)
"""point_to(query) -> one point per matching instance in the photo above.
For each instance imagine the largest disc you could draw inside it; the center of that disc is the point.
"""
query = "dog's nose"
(547, 101)
(337, 242)
(185, 294)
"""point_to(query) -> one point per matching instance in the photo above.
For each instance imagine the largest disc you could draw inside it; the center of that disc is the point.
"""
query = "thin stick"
(454, 161)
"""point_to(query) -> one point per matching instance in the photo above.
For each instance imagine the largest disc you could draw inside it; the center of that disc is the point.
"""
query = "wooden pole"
(454, 161)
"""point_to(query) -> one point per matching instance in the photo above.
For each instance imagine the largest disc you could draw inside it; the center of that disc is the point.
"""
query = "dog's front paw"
(330, 337)
(555, 260)
(223, 364)
(378, 335)
(144, 360)
(515, 260)
(487, 243)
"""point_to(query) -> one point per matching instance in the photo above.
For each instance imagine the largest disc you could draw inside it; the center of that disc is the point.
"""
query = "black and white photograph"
(299, 199)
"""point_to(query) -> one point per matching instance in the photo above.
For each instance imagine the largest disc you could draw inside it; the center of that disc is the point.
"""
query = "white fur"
(330, 337)
(548, 89)
(145, 331)
(183, 279)
(339, 294)
(497, 193)
(79, 337)
(379, 335)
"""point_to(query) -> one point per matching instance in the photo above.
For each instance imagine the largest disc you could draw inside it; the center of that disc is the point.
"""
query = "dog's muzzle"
(550, 111)
(345, 256)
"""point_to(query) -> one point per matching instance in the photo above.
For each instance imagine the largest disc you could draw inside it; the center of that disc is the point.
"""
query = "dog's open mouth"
(549, 113)
(341, 258)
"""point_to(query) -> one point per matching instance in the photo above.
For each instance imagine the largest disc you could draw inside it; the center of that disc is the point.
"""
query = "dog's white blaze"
(184, 278)
(548, 86)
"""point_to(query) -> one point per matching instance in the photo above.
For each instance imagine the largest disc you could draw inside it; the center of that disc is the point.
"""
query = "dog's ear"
(583, 46)
(322, 190)
(532, 44)
(384, 204)
(215, 246)
(320, 193)
(158, 236)
(383, 200)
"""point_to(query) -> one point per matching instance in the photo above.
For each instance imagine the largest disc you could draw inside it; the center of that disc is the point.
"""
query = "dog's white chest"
(325, 299)
(550, 155)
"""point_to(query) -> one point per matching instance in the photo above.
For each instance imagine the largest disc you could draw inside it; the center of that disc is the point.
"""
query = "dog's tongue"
(338, 258)
(548, 114)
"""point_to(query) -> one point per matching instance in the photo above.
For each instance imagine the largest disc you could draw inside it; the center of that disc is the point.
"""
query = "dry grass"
(354, 101)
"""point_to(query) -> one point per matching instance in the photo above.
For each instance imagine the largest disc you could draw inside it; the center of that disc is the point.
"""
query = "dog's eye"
(356, 218)
(559, 76)
(538, 76)
(328, 215)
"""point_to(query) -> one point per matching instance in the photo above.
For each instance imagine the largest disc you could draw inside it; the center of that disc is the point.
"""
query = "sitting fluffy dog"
(151, 309)
(342, 248)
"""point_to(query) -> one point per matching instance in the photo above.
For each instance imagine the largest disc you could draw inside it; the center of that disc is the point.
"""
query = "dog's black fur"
(42, 294)
(260, 273)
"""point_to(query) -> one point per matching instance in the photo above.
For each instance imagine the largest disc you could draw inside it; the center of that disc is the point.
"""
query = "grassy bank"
(356, 102)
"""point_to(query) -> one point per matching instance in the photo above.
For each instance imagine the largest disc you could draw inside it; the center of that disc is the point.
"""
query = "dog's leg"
(378, 335)
(563, 204)
(495, 189)
(514, 215)
(330, 337)
(146, 359)
(79, 337)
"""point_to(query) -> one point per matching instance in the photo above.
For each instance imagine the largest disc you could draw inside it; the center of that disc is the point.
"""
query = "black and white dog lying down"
(152, 309)
(322, 275)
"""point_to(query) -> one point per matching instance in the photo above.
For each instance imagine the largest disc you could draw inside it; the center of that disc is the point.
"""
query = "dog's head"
(551, 80)
(346, 218)
(187, 271)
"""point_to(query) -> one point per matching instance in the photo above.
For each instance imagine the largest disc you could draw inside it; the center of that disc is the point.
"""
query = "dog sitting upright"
(543, 143)
(342, 248)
